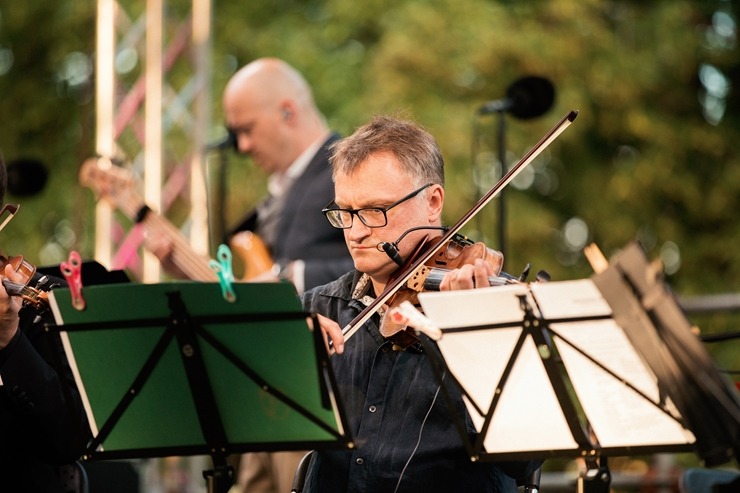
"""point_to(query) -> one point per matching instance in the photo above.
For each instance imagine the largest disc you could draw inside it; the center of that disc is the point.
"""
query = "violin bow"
(390, 289)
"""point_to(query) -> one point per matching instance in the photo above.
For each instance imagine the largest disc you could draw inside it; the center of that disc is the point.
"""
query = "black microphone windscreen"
(26, 177)
(392, 251)
(531, 96)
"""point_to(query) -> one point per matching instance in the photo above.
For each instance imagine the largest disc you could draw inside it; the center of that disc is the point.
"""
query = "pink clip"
(72, 271)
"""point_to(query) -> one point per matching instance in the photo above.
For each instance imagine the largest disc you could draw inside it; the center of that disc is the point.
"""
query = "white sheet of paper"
(527, 416)
(473, 307)
(579, 298)
(619, 415)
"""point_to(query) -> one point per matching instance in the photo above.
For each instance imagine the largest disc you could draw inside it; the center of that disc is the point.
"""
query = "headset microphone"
(392, 251)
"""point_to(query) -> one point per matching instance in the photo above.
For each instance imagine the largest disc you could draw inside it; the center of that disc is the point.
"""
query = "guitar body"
(253, 252)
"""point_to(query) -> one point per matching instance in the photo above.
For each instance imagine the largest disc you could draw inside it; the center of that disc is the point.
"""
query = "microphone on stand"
(528, 97)
(219, 191)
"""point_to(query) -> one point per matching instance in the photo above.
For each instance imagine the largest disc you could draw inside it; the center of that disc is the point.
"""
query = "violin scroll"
(31, 295)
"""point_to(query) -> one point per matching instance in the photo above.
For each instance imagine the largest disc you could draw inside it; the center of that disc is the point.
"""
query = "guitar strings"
(192, 264)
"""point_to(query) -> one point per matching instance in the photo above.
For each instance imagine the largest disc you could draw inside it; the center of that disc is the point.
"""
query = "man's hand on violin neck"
(469, 276)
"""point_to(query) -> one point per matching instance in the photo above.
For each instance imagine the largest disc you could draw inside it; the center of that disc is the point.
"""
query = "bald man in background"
(271, 115)
(270, 110)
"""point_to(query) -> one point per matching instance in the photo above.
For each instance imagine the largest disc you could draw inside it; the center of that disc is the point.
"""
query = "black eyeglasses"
(372, 217)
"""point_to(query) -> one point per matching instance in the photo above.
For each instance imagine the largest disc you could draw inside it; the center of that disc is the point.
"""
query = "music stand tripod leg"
(596, 478)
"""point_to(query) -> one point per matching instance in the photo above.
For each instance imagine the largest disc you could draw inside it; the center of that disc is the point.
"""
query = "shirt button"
(359, 461)
(372, 409)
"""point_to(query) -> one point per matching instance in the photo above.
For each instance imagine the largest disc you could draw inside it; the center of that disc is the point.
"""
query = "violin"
(413, 266)
(455, 253)
(31, 295)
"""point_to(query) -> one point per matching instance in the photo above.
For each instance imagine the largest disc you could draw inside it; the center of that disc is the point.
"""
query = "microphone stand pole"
(218, 200)
(501, 202)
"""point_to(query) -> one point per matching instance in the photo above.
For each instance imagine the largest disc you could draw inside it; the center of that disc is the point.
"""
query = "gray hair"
(414, 147)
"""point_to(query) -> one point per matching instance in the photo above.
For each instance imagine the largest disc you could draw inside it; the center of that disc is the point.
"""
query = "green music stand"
(174, 369)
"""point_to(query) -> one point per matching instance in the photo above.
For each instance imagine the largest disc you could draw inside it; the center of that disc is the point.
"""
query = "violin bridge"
(417, 280)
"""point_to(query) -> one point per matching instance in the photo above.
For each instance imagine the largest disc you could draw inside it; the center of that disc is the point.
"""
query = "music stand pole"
(596, 478)
(221, 477)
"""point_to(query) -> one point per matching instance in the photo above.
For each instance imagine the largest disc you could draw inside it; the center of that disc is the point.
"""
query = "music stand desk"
(175, 369)
(588, 368)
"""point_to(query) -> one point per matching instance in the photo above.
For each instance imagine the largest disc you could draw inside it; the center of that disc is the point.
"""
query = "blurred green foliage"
(652, 156)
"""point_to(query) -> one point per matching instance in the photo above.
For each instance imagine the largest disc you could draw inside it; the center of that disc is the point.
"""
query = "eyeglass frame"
(356, 212)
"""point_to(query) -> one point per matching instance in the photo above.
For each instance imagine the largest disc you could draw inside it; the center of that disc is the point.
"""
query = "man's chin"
(377, 270)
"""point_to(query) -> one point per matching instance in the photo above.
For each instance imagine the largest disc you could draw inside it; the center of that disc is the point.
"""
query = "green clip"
(222, 268)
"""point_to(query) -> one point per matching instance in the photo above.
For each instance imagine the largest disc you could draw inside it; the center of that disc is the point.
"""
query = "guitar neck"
(117, 186)
(194, 266)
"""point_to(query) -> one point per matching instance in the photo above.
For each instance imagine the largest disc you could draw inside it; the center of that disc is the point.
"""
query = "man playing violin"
(388, 179)
(42, 421)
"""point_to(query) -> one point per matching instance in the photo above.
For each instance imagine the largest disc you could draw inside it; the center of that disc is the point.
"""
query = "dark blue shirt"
(405, 430)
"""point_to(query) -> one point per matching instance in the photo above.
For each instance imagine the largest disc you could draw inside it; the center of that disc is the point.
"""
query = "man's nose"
(358, 229)
(244, 144)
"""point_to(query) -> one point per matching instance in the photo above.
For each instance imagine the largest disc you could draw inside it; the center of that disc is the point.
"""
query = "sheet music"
(563, 299)
(619, 415)
(474, 307)
(528, 416)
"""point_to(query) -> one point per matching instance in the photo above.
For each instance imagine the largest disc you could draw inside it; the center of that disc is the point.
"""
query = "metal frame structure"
(138, 118)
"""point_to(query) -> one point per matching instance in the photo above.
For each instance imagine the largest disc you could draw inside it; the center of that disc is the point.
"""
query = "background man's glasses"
(372, 217)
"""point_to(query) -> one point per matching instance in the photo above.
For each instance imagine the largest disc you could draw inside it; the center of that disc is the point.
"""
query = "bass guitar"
(116, 185)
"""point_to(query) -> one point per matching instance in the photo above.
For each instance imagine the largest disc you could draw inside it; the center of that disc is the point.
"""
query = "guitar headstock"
(117, 185)
(109, 182)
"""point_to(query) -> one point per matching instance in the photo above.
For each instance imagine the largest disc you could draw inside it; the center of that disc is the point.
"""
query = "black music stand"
(174, 369)
(589, 368)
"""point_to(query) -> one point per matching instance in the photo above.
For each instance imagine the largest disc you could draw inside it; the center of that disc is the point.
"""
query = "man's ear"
(287, 110)
(435, 203)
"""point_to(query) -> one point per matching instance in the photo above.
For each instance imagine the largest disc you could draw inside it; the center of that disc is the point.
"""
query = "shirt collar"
(279, 183)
